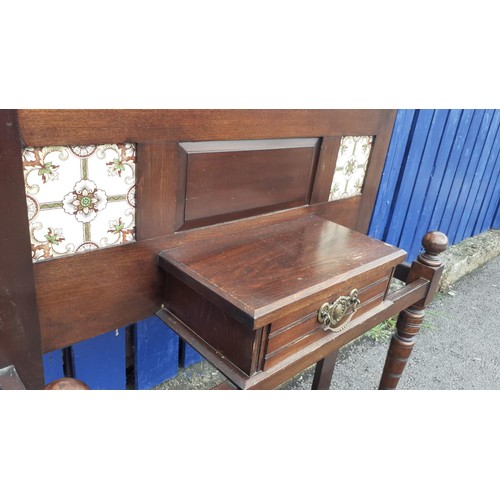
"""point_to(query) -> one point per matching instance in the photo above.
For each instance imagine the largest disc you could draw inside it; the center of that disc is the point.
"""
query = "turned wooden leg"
(428, 265)
(402, 342)
(324, 372)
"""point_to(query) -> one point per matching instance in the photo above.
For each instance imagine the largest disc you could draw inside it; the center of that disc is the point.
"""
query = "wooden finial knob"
(434, 243)
(67, 384)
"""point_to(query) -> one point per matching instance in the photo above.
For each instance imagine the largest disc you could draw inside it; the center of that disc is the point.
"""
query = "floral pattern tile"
(350, 170)
(79, 198)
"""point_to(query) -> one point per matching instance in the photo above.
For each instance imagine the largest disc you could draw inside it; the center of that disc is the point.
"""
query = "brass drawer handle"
(331, 315)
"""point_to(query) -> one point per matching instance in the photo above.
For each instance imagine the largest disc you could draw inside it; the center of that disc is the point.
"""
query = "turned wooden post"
(67, 384)
(429, 266)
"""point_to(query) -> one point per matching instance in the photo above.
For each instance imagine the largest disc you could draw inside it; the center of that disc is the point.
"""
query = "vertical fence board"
(409, 240)
(451, 166)
(156, 352)
(460, 175)
(491, 194)
(100, 361)
(435, 181)
(53, 366)
(188, 356)
(496, 222)
(469, 175)
(488, 187)
(396, 156)
(493, 199)
(473, 205)
(410, 172)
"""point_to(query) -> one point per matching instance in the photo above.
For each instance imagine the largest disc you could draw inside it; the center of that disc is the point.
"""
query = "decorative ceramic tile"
(350, 170)
(79, 197)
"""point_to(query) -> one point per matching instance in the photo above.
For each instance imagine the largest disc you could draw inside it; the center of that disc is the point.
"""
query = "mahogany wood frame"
(20, 338)
(131, 281)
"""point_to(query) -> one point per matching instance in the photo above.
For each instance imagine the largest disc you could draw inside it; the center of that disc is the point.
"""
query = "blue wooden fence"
(442, 172)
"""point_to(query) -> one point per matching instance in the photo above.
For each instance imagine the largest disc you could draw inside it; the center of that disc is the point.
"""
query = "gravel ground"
(458, 347)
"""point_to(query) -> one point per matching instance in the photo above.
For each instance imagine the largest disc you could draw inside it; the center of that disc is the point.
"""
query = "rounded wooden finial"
(67, 384)
(434, 242)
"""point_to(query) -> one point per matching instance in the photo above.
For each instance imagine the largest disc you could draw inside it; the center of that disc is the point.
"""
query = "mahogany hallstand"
(241, 245)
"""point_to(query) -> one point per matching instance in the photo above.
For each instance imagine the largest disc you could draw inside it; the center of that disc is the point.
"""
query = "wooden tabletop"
(275, 265)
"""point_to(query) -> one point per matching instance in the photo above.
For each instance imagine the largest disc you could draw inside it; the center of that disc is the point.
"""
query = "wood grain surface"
(20, 343)
(46, 127)
(226, 180)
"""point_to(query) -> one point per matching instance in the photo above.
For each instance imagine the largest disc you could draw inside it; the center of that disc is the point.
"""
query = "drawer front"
(294, 332)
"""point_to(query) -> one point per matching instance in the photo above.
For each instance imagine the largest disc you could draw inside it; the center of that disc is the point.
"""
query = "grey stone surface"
(458, 347)
(469, 255)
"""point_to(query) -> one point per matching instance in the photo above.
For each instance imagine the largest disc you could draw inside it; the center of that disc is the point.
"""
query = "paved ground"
(458, 348)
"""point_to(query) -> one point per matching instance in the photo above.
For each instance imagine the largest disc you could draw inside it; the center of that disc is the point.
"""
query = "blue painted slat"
(410, 173)
(448, 222)
(413, 230)
(53, 366)
(488, 186)
(434, 191)
(189, 356)
(493, 200)
(156, 353)
(491, 194)
(469, 174)
(473, 204)
(100, 361)
(496, 221)
(451, 167)
(396, 156)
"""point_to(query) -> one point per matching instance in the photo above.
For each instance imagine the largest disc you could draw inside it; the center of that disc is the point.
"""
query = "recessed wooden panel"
(224, 180)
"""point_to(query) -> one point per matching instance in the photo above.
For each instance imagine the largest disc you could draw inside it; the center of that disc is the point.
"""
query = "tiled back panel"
(79, 198)
(350, 170)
